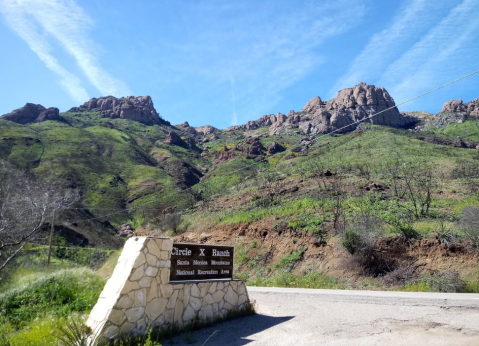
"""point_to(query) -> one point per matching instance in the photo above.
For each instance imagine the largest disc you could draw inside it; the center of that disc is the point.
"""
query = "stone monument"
(143, 294)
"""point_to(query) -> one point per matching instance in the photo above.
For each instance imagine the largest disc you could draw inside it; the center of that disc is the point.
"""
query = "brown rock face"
(351, 105)
(252, 146)
(174, 139)
(457, 106)
(32, 113)
(275, 148)
(453, 106)
(139, 109)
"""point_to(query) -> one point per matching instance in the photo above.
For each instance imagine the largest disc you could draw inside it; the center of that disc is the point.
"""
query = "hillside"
(283, 188)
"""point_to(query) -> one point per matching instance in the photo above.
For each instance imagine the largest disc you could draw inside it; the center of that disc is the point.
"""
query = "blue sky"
(226, 62)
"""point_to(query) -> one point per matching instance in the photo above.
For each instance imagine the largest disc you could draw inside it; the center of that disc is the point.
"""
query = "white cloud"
(266, 47)
(286, 50)
(439, 55)
(69, 24)
(17, 19)
(421, 49)
(412, 19)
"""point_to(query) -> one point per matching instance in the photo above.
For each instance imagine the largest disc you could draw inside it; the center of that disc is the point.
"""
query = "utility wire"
(315, 139)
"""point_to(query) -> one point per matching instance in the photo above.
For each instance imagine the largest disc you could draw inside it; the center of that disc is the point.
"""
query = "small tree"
(26, 204)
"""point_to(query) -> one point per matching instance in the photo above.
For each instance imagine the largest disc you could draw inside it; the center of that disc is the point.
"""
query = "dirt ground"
(429, 255)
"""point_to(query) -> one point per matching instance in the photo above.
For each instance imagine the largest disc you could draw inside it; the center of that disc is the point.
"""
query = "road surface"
(288, 316)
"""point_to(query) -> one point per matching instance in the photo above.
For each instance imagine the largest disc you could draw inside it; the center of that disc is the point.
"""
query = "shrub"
(448, 281)
(170, 222)
(361, 239)
(363, 234)
(351, 241)
(469, 223)
(403, 274)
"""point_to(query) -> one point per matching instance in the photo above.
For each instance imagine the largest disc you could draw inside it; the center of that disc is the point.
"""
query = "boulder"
(205, 129)
(473, 108)
(453, 106)
(275, 148)
(252, 146)
(224, 157)
(174, 139)
(32, 113)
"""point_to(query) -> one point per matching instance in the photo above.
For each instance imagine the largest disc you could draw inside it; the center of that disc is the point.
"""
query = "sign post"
(197, 262)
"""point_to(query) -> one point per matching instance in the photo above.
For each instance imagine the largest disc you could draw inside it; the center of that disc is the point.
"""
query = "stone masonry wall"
(139, 295)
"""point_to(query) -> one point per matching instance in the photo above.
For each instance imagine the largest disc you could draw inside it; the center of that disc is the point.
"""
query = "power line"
(316, 138)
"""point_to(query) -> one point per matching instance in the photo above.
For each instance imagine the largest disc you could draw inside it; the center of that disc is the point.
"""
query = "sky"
(224, 62)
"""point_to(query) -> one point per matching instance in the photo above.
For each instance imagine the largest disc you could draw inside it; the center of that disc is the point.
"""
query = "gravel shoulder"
(336, 317)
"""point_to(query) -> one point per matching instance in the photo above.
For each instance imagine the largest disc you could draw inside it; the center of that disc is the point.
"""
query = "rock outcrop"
(252, 146)
(351, 105)
(454, 111)
(275, 148)
(174, 139)
(457, 106)
(139, 109)
(205, 129)
(32, 113)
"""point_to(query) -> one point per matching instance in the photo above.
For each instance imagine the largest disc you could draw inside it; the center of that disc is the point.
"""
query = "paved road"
(334, 317)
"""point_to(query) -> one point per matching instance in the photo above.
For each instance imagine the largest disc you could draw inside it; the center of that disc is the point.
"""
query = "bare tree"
(365, 170)
(419, 183)
(338, 196)
(395, 172)
(26, 203)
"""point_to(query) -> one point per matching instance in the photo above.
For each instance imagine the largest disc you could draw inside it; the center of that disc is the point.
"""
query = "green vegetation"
(467, 130)
(448, 281)
(286, 279)
(57, 294)
(290, 259)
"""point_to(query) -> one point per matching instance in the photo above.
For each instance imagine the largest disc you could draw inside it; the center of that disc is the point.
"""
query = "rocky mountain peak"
(139, 109)
(349, 106)
(32, 113)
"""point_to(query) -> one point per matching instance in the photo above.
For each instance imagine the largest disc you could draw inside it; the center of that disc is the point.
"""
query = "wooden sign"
(198, 262)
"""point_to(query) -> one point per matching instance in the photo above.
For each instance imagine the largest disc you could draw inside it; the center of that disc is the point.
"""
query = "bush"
(469, 223)
(351, 241)
(448, 281)
(361, 239)
(171, 222)
(362, 235)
